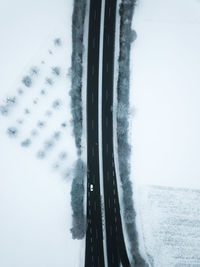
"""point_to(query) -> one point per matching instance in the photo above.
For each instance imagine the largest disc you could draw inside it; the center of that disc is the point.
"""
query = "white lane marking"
(107, 94)
(96, 234)
(106, 148)
(91, 239)
(114, 191)
(90, 230)
(115, 210)
(112, 258)
(111, 229)
(108, 175)
(106, 121)
(107, 65)
(95, 206)
(92, 258)
(93, 42)
(109, 11)
(98, 261)
(114, 201)
(89, 212)
(92, 97)
(92, 69)
(93, 176)
(108, 40)
(113, 173)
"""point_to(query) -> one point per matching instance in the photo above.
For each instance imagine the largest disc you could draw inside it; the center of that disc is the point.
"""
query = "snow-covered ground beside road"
(34, 185)
(165, 95)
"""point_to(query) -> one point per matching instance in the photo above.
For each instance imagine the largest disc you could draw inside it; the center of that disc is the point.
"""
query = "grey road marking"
(107, 65)
(93, 42)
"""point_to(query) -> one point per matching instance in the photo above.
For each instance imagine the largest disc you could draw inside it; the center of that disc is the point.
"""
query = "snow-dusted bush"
(27, 81)
(77, 200)
(77, 70)
(127, 36)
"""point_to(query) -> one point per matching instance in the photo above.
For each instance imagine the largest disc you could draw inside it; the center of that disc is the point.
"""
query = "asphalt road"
(94, 255)
(116, 250)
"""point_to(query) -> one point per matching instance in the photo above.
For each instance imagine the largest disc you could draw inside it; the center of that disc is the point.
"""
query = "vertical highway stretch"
(94, 255)
(115, 245)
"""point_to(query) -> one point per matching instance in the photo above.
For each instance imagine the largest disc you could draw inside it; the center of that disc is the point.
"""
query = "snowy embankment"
(127, 36)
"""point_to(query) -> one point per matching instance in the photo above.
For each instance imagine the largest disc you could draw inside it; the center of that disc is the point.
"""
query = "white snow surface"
(35, 207)
(165, 63)
(165, 91)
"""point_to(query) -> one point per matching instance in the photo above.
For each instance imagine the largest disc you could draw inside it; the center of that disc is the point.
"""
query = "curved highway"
(116, 249)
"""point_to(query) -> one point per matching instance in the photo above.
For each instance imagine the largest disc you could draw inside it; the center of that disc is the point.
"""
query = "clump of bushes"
(77, 199)
(77, 70)
(127, 36)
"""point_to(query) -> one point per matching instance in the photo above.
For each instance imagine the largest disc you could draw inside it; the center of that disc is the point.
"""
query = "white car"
(91, 187)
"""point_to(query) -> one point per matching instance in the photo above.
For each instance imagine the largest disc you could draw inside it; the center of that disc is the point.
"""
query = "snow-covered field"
(165, 93)
(38, 152)
(171, 225)
(35, 207)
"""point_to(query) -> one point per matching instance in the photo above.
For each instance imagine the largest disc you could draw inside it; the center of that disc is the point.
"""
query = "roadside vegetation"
(77, 70)
(79, 173)
(127, 36)
(77, 200)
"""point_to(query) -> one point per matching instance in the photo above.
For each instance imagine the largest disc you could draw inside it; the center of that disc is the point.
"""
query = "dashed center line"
(96, 234)
(106, 148)
(106, 121)
(107, 95)
(95, 206)
(93, 42)
(92, 124)
(107, 65)
(92, 69)
(109, 11)
(108, 40)
(108, 175)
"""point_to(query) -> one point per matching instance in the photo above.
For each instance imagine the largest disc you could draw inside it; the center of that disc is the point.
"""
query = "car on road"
(91, 187)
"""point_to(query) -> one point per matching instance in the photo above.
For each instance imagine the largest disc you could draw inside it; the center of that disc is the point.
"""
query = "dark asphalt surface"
(116, 250)
(94, 255)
